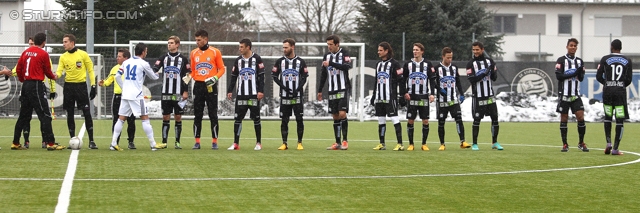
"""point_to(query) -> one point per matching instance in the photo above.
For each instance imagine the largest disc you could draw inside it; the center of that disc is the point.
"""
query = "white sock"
(146, 125)
(117, 129)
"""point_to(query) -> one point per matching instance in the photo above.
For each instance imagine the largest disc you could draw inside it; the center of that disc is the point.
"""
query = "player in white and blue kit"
(134, 71)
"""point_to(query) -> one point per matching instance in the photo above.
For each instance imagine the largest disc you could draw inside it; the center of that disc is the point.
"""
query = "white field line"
(349, 177)
(67, 183)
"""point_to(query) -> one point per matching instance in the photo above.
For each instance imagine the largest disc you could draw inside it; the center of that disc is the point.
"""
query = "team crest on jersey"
(290, 74)
(532, 81)
(418, 78)
(208, 59)
(247, 73)
(447, 81)
(171, 72)
(78, 64)
(382, 77)
(197, 59)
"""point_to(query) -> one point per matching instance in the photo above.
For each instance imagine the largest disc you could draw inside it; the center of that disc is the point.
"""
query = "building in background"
(538, 30)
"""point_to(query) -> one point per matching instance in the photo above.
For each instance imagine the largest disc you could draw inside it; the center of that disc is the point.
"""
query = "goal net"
(312, 53)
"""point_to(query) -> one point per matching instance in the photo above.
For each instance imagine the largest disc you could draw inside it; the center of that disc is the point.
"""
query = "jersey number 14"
(131, 72)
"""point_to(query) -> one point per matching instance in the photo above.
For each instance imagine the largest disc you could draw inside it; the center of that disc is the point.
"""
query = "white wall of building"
(11, 30)
(592, 47)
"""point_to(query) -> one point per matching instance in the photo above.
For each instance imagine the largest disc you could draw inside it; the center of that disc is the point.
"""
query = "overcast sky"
(52, 5)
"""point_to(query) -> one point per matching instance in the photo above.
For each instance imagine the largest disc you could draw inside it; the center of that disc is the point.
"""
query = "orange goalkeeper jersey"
(206, 64)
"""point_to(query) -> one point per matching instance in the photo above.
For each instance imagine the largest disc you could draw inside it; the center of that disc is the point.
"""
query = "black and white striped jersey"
(247, 76)
(337, 73)
(569, 72)
(174, 66)
(417, 75)
(290, 74)
(388, 77)
(448, 78)
(615, 73)
(481, 71)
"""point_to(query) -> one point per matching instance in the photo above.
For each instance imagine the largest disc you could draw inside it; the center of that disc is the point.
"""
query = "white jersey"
(134, 71)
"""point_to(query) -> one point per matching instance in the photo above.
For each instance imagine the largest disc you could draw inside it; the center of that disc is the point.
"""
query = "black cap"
(616, 44)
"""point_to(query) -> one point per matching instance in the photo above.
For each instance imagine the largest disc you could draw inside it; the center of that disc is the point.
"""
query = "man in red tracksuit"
(32, 67)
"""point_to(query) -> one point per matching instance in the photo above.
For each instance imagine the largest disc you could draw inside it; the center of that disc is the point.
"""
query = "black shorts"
(417, 106)
(615, 103)
(339, 104)
(484, 107)
(286, 107)
(75, 93)
(169, 104)
(387, 109)
(243, 105)
(565, 103)
(444, 111)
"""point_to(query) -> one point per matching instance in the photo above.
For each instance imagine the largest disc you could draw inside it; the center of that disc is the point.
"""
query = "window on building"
(504, 24)
(564, 24)
(605, 26)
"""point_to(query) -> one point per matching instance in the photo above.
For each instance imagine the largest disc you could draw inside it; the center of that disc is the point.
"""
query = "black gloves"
(52, 95)
(402, 101)
(92, 94)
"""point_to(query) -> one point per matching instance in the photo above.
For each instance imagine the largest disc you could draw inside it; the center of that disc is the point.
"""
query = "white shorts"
(136, 107)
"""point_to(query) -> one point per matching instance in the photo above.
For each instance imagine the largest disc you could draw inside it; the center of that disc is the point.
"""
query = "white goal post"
(357, 76)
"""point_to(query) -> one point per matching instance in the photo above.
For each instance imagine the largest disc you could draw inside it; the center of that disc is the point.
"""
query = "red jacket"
(34, 64)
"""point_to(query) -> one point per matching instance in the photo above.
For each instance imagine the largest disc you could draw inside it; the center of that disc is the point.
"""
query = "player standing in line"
(34, 64)
(28, 112)
(175, 67)
(570, 72)
(76, 63)
(615, 73)
(123, 54)
(335, 67)
(206, 68)
(249, 67)
(447, 84)
(134, 71)
(417, 73)
(481, 71)
(290, 73)
(385, 96)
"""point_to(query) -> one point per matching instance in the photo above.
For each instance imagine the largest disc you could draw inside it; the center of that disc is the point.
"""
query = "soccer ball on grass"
(75, 143)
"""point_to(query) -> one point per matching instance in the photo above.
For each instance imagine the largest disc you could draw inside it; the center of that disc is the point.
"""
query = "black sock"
(398, 128)
(619, 131)
(563, 132)
(607, 129)
(441, 131)
(165, 130)
(582, 128)
(300, 128)
(71, 124)
(25, 132)
(257, 125)
(237, 129)
(425, 133)
(88, 123)
(284, 129)
(336, 130)
(460, 128)
(345, 128)
(495, 129)
(476, 131)
(410, 133)
(382, 128)
(131, 128)
(178, 130)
